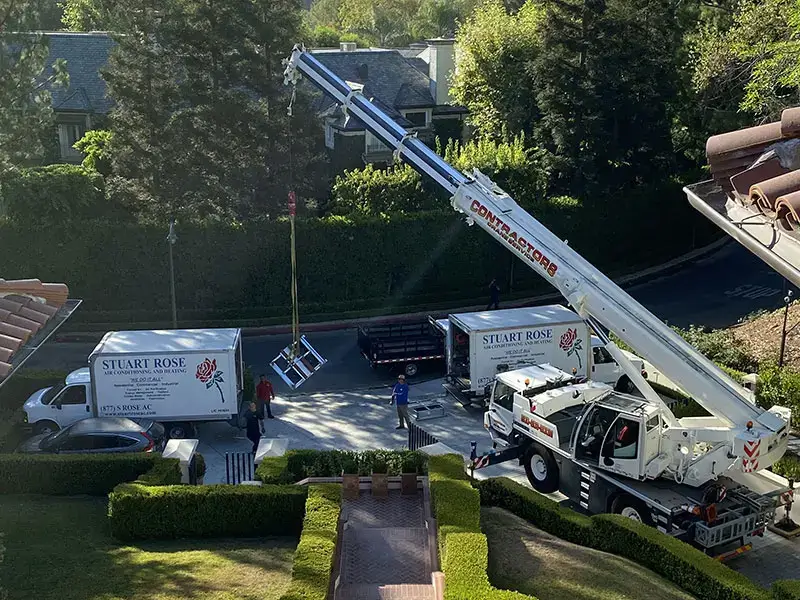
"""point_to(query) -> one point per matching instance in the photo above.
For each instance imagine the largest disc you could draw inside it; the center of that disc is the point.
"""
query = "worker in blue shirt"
(400, 396)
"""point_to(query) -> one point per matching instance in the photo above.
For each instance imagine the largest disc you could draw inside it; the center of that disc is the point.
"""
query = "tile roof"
(86, 54)
(390, 80)
(759, 167)
(26, 307)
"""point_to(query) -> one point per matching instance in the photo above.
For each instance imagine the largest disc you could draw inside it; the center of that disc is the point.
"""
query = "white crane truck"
(694, 478)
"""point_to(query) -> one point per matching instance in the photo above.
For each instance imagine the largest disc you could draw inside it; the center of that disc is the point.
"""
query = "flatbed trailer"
(404, 346)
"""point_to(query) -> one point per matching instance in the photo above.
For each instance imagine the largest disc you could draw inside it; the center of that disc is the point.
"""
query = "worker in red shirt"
(265, 394)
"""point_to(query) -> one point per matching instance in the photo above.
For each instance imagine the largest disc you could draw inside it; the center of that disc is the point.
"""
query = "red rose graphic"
(567, 339)
(205, 370)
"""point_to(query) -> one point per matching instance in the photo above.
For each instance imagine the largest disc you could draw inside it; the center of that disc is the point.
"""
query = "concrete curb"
(625, 281)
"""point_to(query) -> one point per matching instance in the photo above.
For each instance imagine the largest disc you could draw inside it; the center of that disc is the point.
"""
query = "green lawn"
(61, 549)
(528, 560)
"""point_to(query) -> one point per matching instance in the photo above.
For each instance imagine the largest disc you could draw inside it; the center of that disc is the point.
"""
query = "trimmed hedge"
(296, 465)
(786, 589)
(11, 432)
(138, 511)
(313, 559)
(684, 565)
(18, 388)
(463, 549)
(92, 474)
(788, 466)
(401, 267)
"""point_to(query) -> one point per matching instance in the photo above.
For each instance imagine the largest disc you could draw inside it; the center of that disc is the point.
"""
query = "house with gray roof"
(411, 85)
(80, 106)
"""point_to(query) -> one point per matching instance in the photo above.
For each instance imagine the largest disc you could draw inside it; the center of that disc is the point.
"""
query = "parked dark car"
(104, 434)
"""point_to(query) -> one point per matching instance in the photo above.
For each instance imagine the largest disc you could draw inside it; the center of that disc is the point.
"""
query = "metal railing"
(418, 437)
(239, 467)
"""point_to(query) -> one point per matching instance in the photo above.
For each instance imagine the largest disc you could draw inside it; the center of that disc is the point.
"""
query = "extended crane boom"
(593, 295)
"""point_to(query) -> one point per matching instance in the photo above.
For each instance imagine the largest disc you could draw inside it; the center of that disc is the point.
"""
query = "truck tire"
(411, 369)
(630, 507)
(45, 427)
(178, 431)
(625, 386)
(541, 469)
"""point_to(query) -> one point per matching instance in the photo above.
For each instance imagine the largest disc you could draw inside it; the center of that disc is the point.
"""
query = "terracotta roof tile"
(766, 193)
(5, 354)
(5, 369)
(742, 181)
(787, 210)
(742, 143)
(790, 122)
(14, 331)
(34, 326)
(9, 342)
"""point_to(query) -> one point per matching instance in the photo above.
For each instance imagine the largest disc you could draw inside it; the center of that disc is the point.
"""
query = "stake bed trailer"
(401, 345)
(738, 439)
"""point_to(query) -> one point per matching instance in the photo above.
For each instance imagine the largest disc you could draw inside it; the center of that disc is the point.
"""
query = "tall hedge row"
(234, 273)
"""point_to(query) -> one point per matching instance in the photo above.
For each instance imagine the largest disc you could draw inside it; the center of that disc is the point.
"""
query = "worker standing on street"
(494, 295)
(253, 430)
(264, 394)
(400, 396)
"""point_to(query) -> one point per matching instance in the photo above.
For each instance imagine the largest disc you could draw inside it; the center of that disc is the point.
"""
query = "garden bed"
(60, 548)
(525, 558)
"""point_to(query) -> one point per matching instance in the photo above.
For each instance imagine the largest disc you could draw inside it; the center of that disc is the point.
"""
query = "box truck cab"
(480, 345)
(177, 377)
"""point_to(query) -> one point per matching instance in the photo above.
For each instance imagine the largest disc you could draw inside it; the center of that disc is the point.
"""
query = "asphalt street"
(716, 291)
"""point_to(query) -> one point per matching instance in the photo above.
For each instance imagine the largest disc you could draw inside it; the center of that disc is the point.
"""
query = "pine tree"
(605, 73)
(201, 108)
(25, 110)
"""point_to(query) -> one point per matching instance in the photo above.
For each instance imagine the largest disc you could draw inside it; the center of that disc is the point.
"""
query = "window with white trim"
(68, 134)
(374, 145)
(329, 137)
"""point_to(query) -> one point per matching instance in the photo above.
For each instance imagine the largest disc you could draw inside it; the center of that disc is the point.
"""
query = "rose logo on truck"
(571, 344)
(207, 373)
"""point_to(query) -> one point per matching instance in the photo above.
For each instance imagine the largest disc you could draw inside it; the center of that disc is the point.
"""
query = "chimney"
(347, 46)
(441, 67)
(363, 71)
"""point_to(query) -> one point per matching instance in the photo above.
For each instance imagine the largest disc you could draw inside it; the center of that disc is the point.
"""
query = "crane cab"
(618, 433)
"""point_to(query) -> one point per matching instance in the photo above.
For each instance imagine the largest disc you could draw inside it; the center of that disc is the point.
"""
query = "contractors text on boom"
(515, 241)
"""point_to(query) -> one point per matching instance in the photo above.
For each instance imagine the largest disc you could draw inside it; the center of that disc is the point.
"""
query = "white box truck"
(176, 377)
(479, 345)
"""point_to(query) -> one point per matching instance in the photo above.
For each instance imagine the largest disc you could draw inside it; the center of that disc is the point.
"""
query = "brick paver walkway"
(385, 549)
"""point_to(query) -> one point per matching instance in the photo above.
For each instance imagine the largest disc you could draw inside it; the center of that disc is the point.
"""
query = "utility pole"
(787, 300)
(171, 239)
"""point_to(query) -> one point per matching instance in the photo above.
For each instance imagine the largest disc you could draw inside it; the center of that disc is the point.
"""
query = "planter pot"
(408, 484)
(380, 485)
(350, 486)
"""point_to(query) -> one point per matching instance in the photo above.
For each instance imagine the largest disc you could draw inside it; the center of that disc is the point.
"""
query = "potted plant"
(380, 476)
(350, 478)
(409, 472)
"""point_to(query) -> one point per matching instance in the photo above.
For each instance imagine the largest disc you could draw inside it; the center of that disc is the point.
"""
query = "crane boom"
(593, 295)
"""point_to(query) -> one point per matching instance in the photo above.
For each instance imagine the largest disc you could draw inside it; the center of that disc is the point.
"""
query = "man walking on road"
(494, 295)
(400, 396)
(253, 430)
(265, 394)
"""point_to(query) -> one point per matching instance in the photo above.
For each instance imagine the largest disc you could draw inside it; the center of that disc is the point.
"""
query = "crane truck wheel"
(630, 507)
(541, 469)
(43, 427)
(411, 369)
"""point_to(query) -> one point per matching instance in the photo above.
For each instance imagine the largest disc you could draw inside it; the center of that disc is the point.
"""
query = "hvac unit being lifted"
(299, 360)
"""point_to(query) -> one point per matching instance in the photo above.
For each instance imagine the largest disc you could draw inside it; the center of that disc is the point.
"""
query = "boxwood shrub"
(463, 548)
(684, 565)
(139, 511)
(296, 465)
(91, 474)
(787, 589)
(313, 559)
